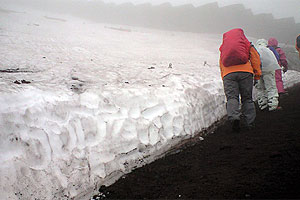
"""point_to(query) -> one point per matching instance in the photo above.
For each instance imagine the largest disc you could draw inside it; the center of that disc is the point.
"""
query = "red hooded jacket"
(273, 42)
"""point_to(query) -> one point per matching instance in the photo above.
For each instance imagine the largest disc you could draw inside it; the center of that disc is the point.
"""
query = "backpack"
(235, 49)
(275, 53)
(298, 41)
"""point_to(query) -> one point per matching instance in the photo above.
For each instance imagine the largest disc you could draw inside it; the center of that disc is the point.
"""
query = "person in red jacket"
(272, 42)
(298, 44)
(238, 81)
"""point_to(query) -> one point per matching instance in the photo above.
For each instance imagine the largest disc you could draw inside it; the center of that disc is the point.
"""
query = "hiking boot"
(264, 109)
(247, 127)
(236, 126)
(250, 126)
(276, 109)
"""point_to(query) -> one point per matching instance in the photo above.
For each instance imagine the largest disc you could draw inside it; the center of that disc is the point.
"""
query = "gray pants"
(238, 84)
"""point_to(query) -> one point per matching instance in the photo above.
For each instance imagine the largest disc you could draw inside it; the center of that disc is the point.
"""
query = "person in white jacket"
(267, 96)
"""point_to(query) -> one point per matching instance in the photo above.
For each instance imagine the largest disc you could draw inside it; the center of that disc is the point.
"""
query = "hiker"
(267, 95)
(298, 44)
(239, 61)
(272, 42)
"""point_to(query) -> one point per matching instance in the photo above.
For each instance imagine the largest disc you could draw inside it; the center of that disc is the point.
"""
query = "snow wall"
(60, 146)
(66, 147)
(78, 112)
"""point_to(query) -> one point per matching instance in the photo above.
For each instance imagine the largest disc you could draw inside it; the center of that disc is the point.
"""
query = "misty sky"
(279, 8)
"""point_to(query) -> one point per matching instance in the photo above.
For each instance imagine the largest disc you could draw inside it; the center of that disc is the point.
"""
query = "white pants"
(267, 91)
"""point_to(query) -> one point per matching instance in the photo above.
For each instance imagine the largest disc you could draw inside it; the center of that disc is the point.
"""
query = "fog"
(279, 8)
(259, 18)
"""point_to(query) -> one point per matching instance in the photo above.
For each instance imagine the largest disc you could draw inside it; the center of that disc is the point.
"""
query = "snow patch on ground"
(82, 104)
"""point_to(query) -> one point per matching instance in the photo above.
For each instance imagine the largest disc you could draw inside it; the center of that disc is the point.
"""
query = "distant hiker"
(298, 44)
(267, 96)
(282, 62)
(239, 60)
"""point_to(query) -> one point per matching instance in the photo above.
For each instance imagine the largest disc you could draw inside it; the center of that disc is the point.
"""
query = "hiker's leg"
(231, 89)
(262, 99)
(248, 107)
(279, 82)
(272, 91)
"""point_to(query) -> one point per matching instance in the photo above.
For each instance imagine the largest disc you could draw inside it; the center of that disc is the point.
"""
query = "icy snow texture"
(100, 102)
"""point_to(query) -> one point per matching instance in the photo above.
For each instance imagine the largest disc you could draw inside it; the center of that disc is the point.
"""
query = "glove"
(255, 82)
(284, 69)
(256, 77)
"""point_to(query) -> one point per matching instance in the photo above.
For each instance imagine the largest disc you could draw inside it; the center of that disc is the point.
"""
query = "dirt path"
(261, 163)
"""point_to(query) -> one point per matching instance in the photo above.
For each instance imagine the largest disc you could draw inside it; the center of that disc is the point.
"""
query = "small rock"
(26, 82)
(74, 78)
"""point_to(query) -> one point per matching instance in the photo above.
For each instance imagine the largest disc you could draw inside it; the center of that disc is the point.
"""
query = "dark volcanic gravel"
(263, 163)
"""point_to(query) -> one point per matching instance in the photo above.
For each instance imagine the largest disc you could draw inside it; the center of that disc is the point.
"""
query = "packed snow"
(83, 103)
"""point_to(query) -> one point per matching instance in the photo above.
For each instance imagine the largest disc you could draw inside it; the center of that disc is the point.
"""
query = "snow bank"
(55, 145)
(82, 103)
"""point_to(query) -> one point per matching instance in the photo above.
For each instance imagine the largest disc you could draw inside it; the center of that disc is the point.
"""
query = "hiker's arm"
(283, 60)
(297, 44)
(220, 64)
(255, 62)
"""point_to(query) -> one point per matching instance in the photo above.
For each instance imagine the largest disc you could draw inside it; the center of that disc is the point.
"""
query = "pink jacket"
(282, 61)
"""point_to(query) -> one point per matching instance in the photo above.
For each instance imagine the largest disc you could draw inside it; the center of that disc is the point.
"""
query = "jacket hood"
(262, 42)
(273, 42)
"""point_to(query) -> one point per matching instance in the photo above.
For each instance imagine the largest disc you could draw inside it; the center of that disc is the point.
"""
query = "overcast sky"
(279, 8)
